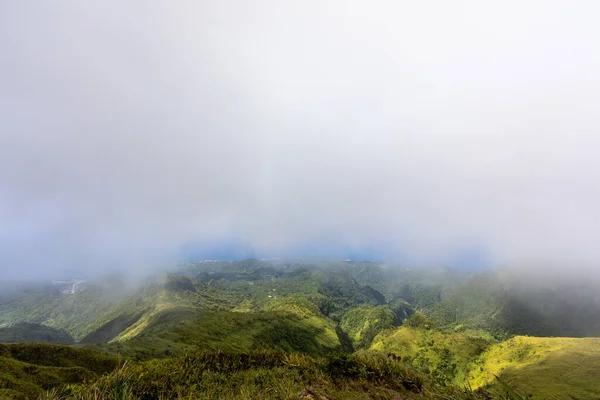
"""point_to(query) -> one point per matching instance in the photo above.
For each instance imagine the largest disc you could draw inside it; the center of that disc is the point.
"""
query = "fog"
(429, 131)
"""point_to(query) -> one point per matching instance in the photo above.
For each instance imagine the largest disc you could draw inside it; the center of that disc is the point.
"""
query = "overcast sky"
(426, 129)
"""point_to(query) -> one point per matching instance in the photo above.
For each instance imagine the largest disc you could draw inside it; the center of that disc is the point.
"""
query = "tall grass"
(255, 375)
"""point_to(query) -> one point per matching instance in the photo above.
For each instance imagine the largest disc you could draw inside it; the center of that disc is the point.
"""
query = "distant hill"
(79, 314)
(25, 332)
(513, 302)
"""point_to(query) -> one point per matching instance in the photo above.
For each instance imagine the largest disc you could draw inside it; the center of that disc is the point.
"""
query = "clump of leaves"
(118, 385)
(295, 360)
(372, 367)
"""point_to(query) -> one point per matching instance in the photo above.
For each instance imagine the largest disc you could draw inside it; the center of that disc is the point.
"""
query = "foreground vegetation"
(28, 370)
(445, 366)
(261, 375)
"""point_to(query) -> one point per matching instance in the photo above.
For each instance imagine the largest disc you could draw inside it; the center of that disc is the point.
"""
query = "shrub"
(418, 320)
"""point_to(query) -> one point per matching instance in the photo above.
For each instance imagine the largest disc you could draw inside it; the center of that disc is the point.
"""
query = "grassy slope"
(28, 333)
(28, 370)
(99, 314)
(432, 351)
(287, 313)
(281, 312)
(544, 367)
(161, 322)
(105, 311)
(80, 314)
(177, 330)
(265, 375)
(539, 367)
(506, 303)
(363, 323)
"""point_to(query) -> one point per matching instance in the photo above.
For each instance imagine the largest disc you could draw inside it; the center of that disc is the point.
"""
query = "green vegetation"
(28, 370)
(263, 375)
(341, 293)
(178, 330)
(536, 367)
(402, 309)
(542, 367)
(258, 329)
(446, 356)
(363, 323)
(81, 314)
(506, 303)
(25, 332)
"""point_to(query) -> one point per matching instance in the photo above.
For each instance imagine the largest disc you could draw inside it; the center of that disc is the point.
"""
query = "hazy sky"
(423, 128)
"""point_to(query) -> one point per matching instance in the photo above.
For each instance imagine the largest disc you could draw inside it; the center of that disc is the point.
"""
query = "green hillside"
(347, 323)
(509, 302)
(447, 356)
(178, 330)
(363, 323)
(27, 371)
(25, 332)
(80, 314)
(560, 368)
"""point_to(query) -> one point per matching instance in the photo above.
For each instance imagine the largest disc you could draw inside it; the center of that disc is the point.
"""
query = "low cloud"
(427, 131)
